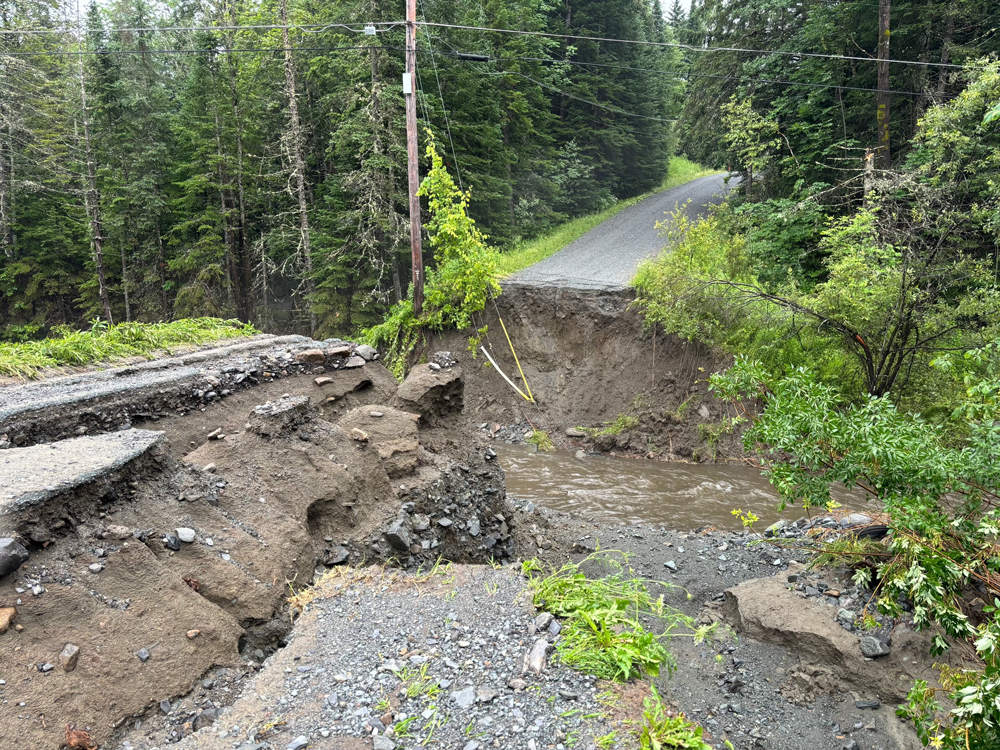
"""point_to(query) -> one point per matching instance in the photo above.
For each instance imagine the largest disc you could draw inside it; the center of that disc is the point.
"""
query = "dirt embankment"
(155, 556)
(590, 362)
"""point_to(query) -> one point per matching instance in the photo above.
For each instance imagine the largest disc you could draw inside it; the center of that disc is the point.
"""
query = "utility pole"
(410, 92)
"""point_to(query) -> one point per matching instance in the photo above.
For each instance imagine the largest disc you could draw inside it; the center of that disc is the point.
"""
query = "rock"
(444, 523)
(172, 543)
(580, 454)
(845, 616)
(435, 395)
(670, 565)
(121, 532)
(353, 362)
(324, 380)
(46, 667)
(381, 742)
(872, 647)
(360, 435)
(311, 357)
(209, 468)
(192, 634)
(575, 432)
(95, 568)
(398, 535)
(336, 556)
(867, 705)
(472, 745)
(12, 556)
(517, 684)
(204, 719)
(703, 412)
(7, 615)
(299, 743)
(554, 628)
(185, 535)
(776, 528)
(855, 519)
(542, 620)
(143, 654)
(367, 353)
(535, 660)
(465, 697)
(485, 695)
(276, 418)
(473, 528)
(69, 657)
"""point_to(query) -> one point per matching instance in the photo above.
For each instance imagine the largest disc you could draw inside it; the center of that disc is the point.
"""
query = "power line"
(196, 51)
(688, 46)
(444, 107)
(685, 76)
(238, 27)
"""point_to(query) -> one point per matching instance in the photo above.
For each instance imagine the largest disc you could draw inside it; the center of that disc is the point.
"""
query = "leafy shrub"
(942, 499)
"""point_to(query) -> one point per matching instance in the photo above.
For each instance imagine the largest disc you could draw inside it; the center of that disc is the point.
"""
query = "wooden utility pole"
(883, 97)
(410, 92)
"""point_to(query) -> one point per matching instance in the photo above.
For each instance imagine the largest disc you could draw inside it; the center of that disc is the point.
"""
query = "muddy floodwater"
(639, 491)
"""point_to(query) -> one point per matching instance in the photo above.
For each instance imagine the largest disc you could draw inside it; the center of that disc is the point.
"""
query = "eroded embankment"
(155, 554)
(590, 362)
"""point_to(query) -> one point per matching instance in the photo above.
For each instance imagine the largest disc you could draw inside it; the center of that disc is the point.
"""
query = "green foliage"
(659, 729)
(104, 343)
(461, 281)
(542, 440)
(942, 501)
(616, 427)
(752, 139)
(602, 633)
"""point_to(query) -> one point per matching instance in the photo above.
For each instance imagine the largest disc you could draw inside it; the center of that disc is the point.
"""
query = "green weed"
(542, 440)
(602, 633)
(658, 729)
(621, 423)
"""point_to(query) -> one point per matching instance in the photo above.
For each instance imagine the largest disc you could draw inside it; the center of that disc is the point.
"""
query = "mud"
(303, 471)
(589, 360)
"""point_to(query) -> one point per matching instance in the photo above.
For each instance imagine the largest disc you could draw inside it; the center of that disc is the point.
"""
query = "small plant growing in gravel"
(542, 440)
(659, 728)
(602, 630)
(614, 428)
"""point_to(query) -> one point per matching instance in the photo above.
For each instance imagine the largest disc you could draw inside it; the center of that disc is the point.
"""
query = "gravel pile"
(397, 660)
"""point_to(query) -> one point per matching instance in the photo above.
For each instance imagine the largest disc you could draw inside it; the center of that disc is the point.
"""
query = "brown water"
(638, 491)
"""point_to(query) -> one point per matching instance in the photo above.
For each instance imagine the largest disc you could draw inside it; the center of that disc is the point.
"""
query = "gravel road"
(608, 255)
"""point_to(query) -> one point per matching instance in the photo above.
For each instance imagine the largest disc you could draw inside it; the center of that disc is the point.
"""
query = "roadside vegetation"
(604, 633)
(865, 321)
(104, 343)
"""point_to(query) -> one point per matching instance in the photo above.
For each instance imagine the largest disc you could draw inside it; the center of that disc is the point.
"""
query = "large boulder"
(433, 392)
(12, 556)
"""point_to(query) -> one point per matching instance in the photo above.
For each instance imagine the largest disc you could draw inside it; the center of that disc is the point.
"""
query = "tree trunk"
(295, 146)
(883, 97)
(241, 262)
(6, 186)
(946, 40)
(226, 203)
(92, 202)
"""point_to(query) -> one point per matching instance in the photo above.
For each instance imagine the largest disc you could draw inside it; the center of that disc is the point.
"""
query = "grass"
(621, 423)
(602, 634)
(104, 343)
(528, 253)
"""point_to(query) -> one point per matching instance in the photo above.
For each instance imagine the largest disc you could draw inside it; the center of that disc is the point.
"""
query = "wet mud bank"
(140, 563)
(591, 363)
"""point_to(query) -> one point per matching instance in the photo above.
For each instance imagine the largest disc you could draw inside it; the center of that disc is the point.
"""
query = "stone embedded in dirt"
(278, 417)
(535, 659)
(185, 534)
(381, 742)
(474, 527)
(216, 434)
(465, 697)
(12, 556)
(575, 432)
(336, 556)
(209, 468)
(516, 684)
(69, 657)
(867, 705)
(398, 535)
(118, 532)
(444, 523)
(325, 380)
(299, 743)
(95, 568)
(360, 435)
(368, 353)
(172, 543)
(339, 351)
(310, 357)
(204, 719)
(7, 615)
(46, 667)
(486, 695)
(670, 565)
(192, 634)
(353, 362)
(143, 654)
(872, 647)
